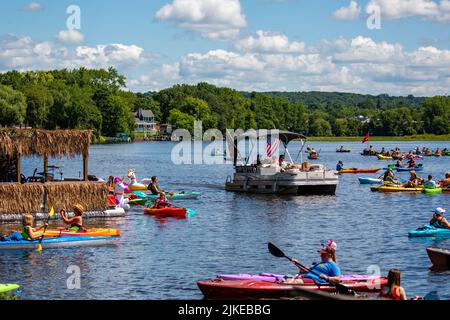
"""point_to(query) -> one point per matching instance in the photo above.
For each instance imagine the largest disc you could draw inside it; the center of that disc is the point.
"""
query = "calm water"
(163, 259)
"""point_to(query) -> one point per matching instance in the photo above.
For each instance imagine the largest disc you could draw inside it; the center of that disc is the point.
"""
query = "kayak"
(363, 180)
(136, 202)
(270, 277)
(429, 231)
(381, 157)
(95, 232)
(420, 168)
(57, 242)
(343, 150)
(414, 157)
(393, 188)
(8, 287)
(432, 191)
(313, 156)
(178, 196)
(137, 187)
(439, 257)
(245, 289)
(175, 212)
(355, 170)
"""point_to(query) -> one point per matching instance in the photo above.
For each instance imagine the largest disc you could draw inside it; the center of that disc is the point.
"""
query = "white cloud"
(351, 12)
(397, 9)
(22, 53)
(33, 6)
(269, 42)
(70, 36)
(213, 19)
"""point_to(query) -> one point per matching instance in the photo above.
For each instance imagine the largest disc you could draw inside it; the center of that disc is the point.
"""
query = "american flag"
(272, 147)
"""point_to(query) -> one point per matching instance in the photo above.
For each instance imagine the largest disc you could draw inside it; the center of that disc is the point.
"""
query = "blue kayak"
(429, 231)
(365, 180)
(57, 242)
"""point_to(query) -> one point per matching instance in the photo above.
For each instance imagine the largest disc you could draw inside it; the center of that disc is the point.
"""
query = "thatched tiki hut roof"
(45, 143)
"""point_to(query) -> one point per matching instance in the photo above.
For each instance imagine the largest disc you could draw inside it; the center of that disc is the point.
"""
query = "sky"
(396, 47)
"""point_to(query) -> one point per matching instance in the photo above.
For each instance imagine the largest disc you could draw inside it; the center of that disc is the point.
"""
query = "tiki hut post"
(45, 167)
(18, 167)
(85, 165)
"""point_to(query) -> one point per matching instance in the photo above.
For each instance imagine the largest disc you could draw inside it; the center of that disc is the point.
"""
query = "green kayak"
(432, 191)
(8, 287)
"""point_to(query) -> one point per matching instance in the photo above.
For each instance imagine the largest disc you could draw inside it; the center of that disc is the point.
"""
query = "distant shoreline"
(421, 137)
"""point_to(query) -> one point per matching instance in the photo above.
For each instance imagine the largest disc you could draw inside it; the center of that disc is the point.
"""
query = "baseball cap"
(328, 247)
(439, 210)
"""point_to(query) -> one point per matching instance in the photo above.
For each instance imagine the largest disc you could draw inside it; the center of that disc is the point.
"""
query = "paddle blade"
(39, 248)
(52, 212)
(275, 251)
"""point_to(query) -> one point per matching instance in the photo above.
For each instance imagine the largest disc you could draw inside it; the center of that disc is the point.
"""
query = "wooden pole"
(85, 166)
(18, 168)
(45, 167)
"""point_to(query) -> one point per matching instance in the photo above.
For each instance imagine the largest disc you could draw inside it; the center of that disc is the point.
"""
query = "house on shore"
(145, 121)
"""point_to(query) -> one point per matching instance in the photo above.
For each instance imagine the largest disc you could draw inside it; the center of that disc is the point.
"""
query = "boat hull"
(439, 257)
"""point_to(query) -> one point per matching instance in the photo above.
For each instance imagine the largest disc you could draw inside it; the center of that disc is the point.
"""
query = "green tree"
(181, 120)
(39, 102)
(320, 128)
(12, 106)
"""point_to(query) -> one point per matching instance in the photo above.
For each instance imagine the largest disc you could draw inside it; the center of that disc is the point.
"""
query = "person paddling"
(76, 223)
(393, 290)
(162, 202)
(339, 166)
(438, 219)
(323, 272)
(153, 186)
(445, 183)
(430, 183)
(388, 176)
(28, 232)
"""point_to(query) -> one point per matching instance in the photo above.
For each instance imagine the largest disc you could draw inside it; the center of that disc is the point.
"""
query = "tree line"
(97, 99)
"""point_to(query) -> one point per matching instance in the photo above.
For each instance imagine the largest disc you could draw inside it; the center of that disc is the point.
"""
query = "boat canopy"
(284, 136)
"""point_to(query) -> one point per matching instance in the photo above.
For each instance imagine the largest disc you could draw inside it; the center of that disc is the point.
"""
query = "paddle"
(51, 214)
(275, 251)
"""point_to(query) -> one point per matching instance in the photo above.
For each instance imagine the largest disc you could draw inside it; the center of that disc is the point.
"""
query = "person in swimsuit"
(445, 183)
(438, 219)
(323, 272)
(75, 223)
(153, 186)
(28, 232)
(393, 290)
(414, 180)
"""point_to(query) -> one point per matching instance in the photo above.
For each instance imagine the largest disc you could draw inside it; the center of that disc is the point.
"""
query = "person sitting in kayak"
(162, 202)
(430, 183)
(323, 272)
(438, 219)
(445, 183)
(414, 180)
(399, 164)
(438, 152)
(153, 186)
(412, 163)
(339, 166)
(28, 232)
(393, 290)
(388, 176)
(76, 223)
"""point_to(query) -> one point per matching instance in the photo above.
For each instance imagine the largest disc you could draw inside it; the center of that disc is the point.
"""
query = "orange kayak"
(355, 170)
(96, 232)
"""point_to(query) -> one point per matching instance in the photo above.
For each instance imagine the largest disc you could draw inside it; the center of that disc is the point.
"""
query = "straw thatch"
(18, 198)
(92, 196)
(50, 143)
(27, 198)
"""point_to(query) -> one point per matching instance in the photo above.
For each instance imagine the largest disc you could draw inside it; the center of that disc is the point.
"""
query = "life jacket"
(393, 294)
(161, 203)
(24, 233)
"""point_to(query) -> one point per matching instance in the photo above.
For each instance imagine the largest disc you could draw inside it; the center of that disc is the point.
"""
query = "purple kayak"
(269, 277)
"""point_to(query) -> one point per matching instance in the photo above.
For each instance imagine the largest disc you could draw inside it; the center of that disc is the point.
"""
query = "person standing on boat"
(438, 219)
(323, 272)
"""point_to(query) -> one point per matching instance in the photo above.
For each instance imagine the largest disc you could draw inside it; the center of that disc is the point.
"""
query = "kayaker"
(339, 166)
(399, 164)
(438, 219)
(388, 176)
(430, 183)
(28, 232)
(162, 202)
(323, 272)
(414, 180)
(76, 223)
(412, 163)
(393, 290)
(445, 183)
(438, 152)
(153, 186)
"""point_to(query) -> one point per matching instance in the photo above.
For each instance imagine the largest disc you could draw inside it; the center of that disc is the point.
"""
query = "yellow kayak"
(381, 157)
(96, 232)
(137, 187)
(392, 188)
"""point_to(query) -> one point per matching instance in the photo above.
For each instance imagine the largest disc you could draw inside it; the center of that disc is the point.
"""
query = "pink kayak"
(275, 278)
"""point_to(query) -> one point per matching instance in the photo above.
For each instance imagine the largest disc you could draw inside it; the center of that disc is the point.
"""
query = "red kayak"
(251, 289)
(439, 257)
(172, 211)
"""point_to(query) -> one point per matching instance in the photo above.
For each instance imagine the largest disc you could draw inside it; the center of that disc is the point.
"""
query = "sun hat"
(79, 207)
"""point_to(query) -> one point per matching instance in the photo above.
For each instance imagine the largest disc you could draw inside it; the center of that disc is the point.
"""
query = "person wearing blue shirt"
(323, 272)
(340, 166)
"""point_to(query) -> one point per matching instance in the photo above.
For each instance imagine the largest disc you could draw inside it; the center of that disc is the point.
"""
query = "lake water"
(157, 259)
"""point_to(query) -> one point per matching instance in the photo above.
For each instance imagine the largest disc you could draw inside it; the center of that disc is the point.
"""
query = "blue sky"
(294, 45)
